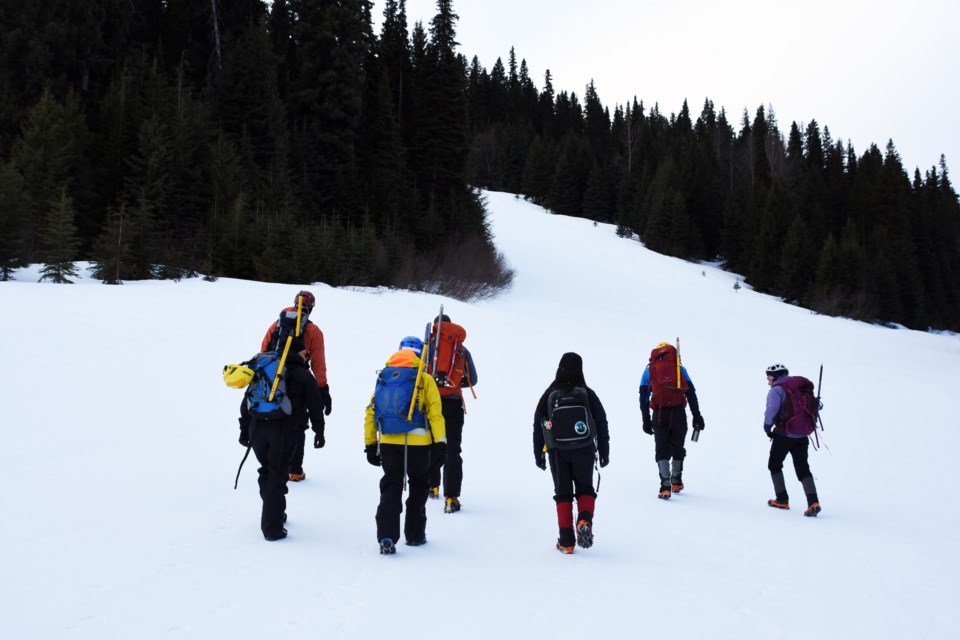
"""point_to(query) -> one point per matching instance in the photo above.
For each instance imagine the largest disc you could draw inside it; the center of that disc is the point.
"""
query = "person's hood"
(404, 358)
(570, 369)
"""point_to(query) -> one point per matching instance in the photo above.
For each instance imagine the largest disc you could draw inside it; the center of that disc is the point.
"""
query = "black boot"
(566, 540)
(585, 529)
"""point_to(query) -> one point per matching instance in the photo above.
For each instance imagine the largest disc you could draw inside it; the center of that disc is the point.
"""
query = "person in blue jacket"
(668, 422)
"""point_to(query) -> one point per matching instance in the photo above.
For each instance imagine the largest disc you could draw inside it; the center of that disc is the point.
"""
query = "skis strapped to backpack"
(447, 356)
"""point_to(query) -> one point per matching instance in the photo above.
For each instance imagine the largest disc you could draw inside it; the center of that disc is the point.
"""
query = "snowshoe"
(584, 534)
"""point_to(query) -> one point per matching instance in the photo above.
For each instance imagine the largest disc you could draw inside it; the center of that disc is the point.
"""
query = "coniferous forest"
(290, 142)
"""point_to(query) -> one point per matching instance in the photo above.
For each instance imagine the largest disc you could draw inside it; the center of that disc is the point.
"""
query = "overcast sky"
(869, 70)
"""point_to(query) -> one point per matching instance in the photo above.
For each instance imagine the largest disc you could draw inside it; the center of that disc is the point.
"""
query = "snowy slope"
(119, 454)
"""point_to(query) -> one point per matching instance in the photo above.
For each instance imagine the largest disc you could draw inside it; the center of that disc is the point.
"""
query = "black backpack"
(287, 326)
(569, 423)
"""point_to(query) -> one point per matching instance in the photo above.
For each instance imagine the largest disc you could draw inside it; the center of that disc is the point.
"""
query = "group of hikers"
(413, 425)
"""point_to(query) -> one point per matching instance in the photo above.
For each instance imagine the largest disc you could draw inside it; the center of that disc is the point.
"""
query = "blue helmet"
(412, 343)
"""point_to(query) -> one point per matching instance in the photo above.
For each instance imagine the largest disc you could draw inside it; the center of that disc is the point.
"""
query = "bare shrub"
(466, 269)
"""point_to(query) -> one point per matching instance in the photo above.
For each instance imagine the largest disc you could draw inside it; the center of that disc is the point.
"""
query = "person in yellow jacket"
(402, 442)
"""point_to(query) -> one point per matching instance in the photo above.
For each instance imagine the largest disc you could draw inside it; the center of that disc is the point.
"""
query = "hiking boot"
(434, 493)
(812, 510)
(387, 548)
(452, 505)
(584, 534)
(563, 549)
(664, 493)
(417, 543)
(297, 477)
(778, 504)
(273, 537)
(677, 488)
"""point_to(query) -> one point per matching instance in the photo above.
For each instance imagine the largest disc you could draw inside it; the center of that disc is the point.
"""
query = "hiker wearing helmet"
(273, 439)
(311, 340)
(786, 439)
(666, 388)
(402, 423)
(452, 367)
(570, 430)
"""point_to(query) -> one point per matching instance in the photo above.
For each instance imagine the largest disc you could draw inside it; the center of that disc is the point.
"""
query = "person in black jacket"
(274, 441)
(570, 429)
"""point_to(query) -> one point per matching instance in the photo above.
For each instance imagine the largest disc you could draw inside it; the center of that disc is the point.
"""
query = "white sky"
(870, 70)
(120, 449)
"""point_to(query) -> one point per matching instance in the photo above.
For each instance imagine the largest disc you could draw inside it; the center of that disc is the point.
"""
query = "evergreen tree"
(112, 251)
(59, 242)
(797, 263)
(14, 210)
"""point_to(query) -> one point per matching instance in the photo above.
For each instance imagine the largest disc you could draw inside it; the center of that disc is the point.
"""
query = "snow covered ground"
(119, 452)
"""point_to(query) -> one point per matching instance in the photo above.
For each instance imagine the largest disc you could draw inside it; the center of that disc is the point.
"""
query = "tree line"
(164, 138)
(289, 142)
(799, 214)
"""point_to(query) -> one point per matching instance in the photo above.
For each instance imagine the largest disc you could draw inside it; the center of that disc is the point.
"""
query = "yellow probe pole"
(416, 386)
(679, 381)
(286, 350)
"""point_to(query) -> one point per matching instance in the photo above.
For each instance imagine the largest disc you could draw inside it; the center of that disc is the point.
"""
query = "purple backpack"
(801, 409)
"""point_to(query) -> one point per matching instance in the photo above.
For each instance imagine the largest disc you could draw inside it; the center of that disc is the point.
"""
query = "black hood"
(570, 370)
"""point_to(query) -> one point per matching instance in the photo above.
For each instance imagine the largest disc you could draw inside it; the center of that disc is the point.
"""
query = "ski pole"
(237, 480)
(819, 382)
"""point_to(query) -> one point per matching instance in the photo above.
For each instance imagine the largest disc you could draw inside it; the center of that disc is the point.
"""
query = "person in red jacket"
(311, 340)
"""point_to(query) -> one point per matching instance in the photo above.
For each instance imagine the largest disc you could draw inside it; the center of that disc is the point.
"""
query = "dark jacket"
(569, 375)
(305, 398)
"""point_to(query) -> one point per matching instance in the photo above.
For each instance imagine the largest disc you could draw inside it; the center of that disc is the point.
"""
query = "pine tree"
(797, 263)
(13, 220)
(59, 242)
(111, 251)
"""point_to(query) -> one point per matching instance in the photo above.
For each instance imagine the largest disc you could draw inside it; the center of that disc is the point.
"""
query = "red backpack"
(668, 390)
(799, 412)
(445, 358)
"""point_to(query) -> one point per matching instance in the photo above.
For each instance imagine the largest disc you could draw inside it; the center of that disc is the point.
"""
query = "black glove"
(327, 400)
(647, 425)
(698, 422)
(372, 456)
(541, 458)
(768, 429)
(604, 453)
(318, 440)
(438, 454)
(244, 440)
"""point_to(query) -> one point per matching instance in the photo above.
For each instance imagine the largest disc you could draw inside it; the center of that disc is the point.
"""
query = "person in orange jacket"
(311, 340)
(403, 448)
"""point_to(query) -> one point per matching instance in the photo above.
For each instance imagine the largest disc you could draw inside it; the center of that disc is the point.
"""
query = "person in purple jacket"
(782, 443)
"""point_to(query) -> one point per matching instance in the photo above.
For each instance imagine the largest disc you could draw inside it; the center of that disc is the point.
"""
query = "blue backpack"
(391, 401)
(259, 404)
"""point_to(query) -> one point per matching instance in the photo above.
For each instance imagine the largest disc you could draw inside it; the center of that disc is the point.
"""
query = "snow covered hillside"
(120, 449)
